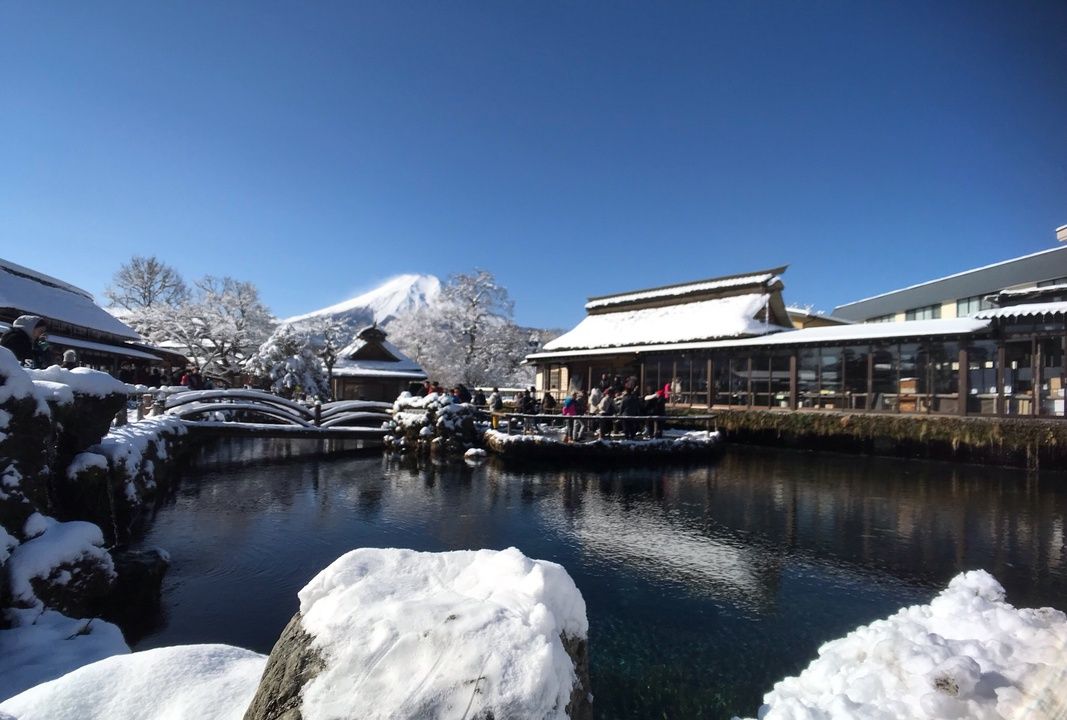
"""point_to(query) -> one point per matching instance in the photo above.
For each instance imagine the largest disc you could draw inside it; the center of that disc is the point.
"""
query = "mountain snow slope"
(396, 296)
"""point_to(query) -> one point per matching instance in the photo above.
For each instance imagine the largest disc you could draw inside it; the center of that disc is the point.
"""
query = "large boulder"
(434, 423)
(59, 565)
(27, 444)
(402, 634)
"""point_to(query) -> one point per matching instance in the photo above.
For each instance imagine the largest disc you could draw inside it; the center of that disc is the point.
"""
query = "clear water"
(704, 585)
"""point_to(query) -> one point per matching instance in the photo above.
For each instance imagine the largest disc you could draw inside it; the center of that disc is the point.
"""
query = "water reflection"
(704, 584)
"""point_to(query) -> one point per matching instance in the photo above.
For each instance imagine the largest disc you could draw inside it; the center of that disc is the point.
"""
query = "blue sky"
(573, 149)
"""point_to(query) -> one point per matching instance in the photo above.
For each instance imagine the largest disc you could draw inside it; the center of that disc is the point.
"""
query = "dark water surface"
(704, 585)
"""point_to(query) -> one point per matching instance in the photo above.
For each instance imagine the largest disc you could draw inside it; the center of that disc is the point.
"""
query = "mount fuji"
(397, 296)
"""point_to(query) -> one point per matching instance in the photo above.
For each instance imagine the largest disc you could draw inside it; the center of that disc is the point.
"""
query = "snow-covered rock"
(433, 422)
(205, 682)
(81, 380)
(49, 645)
(968, 654)
(403, 634)
(61, 565)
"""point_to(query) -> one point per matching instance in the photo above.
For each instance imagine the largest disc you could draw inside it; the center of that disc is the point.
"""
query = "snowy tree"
(466, 336)
(288, 362)
(146, 283)
(327, 336)
(218, 328)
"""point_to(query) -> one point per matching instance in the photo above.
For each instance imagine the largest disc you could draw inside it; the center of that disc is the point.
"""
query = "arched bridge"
(262, 414)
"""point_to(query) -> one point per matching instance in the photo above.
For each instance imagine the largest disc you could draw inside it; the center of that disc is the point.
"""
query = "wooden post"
(1035, 376)
(748, 381)
(641, 382)
(1002, 358)
(793, 380)
(1063, 367)
(711, 375)
(963, 380)
(589, 387)
(842, 379)
(318, 414)
(869, 405)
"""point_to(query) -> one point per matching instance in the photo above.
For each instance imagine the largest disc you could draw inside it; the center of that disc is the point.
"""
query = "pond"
(704, 584)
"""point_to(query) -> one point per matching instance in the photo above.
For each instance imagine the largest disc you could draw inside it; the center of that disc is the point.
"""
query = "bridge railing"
(236, 405)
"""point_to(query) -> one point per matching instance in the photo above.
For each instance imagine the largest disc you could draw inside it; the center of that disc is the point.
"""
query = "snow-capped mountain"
(393, 298)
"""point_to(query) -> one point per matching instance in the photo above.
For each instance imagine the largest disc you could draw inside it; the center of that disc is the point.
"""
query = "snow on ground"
(82, 380)
(53, 544)
(49, 646)
(409, 634)
(205, 682)
(968, 654)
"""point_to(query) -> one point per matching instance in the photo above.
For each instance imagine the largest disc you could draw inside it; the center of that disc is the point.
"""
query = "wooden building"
(75, 322)
(372, 368)
(732, 348)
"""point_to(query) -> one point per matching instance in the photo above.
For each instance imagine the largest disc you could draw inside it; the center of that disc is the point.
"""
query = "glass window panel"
(739, 380)
(982, 377)
(808, 377)
(1018, 378)
(761, 380)
(884, 376)
(929, 312)
(1052, 377)
(780, 379)
(855, 359)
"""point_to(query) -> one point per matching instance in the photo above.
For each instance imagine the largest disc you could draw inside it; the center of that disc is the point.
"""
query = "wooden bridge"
(263, 414)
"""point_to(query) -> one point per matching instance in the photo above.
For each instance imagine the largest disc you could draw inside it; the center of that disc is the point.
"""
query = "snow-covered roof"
(403, 367)
(1025, 310)
(828, 334)
(701, 320)
(101, 347)
(116, 349)
(808, 312)
(34, 293)
(682, 290)
(376, 369)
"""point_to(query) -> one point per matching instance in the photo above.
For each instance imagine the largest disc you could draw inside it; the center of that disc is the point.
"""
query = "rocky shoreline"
(73, 492)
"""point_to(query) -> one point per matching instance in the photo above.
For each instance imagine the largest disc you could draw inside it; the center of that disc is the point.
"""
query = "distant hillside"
(393, 298)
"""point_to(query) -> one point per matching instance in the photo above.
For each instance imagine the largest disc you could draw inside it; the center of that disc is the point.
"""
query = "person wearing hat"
(70, 360)
(25, 333)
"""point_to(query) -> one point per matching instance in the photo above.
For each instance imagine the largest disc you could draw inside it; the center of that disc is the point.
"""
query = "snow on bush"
(205, 682)
(410, 634)
(50, 646)
(52, 545)
(968, 654)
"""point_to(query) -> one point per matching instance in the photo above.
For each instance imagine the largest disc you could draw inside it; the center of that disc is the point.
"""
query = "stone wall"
(1019, 442)
(71, 489)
